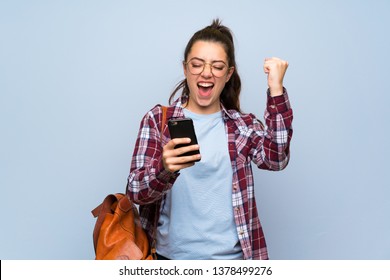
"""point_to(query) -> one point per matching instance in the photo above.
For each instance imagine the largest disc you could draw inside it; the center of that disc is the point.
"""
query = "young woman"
(207, 209)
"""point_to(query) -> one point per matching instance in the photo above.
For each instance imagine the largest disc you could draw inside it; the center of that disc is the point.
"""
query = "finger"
(185, 149)
(180, 160)
(188, 159)
(184, 140)
(176, 141)
(267, 64)
(177, 163)
(266, 67)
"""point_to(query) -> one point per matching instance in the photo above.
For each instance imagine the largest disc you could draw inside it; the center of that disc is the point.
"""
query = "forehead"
(208, 51)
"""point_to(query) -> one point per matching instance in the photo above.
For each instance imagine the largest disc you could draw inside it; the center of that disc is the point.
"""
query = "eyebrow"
(213, 61)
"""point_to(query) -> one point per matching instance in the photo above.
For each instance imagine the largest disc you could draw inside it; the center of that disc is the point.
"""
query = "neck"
(201, 110)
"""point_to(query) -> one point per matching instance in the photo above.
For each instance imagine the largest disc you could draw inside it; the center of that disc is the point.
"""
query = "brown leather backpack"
(118, 233)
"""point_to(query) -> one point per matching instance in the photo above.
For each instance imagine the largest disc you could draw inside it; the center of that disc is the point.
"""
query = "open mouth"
(205, 88)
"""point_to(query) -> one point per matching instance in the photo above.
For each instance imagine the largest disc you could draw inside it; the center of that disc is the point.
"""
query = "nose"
(207, 71)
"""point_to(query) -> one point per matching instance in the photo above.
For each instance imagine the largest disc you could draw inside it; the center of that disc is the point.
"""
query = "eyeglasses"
(197, 66)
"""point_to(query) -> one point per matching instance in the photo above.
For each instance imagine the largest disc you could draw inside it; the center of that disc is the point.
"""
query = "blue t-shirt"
(197, 220)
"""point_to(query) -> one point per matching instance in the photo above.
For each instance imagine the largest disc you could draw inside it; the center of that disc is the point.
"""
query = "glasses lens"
(218, 69)
(196, 66)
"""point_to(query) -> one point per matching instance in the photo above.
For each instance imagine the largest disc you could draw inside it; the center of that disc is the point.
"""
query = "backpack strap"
(153, 245)
(164, 120)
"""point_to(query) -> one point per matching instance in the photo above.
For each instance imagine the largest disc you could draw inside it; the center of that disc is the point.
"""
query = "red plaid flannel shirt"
(248, 140)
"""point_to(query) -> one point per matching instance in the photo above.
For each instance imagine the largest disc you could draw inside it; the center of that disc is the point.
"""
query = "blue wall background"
(76, 77)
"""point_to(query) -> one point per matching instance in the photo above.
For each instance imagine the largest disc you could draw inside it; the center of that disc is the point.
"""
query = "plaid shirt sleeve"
(148, 181)
(271, 143)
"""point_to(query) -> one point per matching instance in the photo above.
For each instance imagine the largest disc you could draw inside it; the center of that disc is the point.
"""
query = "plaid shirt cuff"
(164, 175)
(278, 104)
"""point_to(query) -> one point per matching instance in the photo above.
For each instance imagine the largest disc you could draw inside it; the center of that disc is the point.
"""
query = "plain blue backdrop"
(76, 77)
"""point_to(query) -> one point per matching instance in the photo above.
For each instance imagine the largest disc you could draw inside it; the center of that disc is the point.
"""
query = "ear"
(230, 73)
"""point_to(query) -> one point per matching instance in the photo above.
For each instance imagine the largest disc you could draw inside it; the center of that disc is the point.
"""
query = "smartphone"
(183, 128)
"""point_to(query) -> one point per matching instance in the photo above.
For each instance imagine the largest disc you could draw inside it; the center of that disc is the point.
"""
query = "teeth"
(205, 84)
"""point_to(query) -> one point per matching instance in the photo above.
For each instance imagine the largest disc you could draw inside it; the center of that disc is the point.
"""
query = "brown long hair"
(216, 32)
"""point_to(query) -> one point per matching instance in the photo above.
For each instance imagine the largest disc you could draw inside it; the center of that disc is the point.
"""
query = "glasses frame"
(211, 66)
